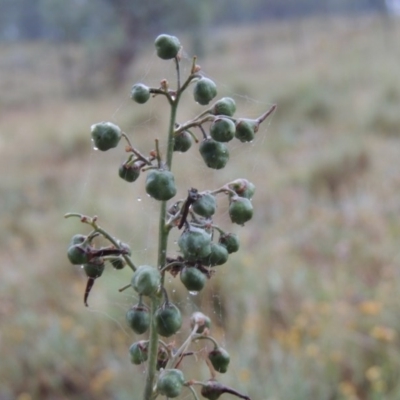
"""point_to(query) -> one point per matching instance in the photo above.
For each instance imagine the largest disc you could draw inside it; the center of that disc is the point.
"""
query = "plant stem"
(163, 232)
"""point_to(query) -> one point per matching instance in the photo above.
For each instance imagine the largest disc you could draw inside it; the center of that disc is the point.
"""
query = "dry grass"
(308, 309)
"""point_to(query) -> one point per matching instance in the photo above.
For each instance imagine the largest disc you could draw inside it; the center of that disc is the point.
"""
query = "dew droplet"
(82, 267)
(193, 293)
(95, 148)
(139, 199)
(174, 290)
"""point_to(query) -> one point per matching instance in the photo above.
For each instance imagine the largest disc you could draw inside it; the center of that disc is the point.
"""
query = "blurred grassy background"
(308, 308)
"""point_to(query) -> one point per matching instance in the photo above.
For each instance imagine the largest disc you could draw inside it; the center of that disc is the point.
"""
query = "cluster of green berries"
(202, 245)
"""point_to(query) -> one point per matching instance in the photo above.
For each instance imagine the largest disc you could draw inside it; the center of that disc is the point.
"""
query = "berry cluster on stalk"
(202, 244)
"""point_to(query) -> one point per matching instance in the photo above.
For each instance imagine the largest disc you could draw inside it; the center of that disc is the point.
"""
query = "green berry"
(139, 352)
(182, 141)
(105, 135)
(246, 129)
(204, 91)
(240, 210)
(192, 278)
(243, 188)
(218, 256)
(140, 93)
(230, 241)
(160, 184)
(170, 383)
(146, 280)
(167, 46)
(201, 320)
(129, 172)
(195, 243)
(138, 318)
(168, 319)
(205, 205)
(77, 254)
(77, 239)
(94, 269)
(222, 130)
(224, 106)
(219, 358)
(215, 154)
(118, 263)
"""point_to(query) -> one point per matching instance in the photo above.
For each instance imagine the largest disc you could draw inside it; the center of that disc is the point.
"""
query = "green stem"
(163, 232)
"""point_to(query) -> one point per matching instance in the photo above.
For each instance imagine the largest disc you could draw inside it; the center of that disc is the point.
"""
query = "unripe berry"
(224, 106)
(77, 239)
(138, 318)
(195, 243)
(204, 91)
(170, 383)
(140, 93)
(105, 135)
(201, 320)
(167, 46)
(146, 280)
(218, 256)
(139, 352)
(243, 188)
(214, 154)
(222, 130)
(246, 129)
(168, 319)
(230, 241)
(77, 254)
(129, 172)
(205, 205)
(240, 210)
(212, 390)
(182, 141)
(94, 269)
(118, 263)
(219, 358)
(160, 184)
(192, 278)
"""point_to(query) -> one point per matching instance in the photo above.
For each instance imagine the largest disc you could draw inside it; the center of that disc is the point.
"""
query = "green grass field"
(309, 309)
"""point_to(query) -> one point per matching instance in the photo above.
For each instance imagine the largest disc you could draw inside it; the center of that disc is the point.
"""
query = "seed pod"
(243, 188)
(215, 154)
(195, 243)
(139, 352)
(218, 256)
(78, 255)
(168, 319)
(138, 318)
(170, 383)
(230, 241)
(205, 205)
(204, 91)
(160, 184)
(182, 141)
(224, 106)
(192, 278)
(167, 46)
(146, 280)
(222, 130)
(95, 268)
(246, 129)
(105, 135)
(129, 172)
(202, 321)
(240, 210)
(140, 93)
(219, 358)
